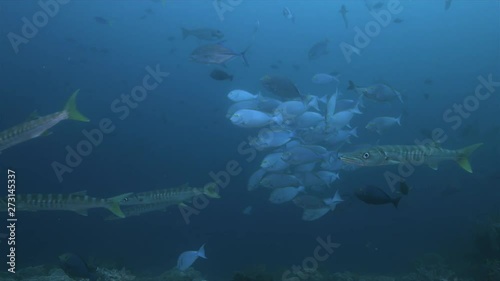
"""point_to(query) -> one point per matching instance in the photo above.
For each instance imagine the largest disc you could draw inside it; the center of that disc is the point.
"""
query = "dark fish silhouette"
(75, 267)
(220, 75)
(280, 86)
(398, 20)
(101, 20)
(375, 196)
(319, 49)
(447, 4)
(343, 11)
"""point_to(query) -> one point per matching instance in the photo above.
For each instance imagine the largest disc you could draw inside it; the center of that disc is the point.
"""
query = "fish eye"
(366, 155)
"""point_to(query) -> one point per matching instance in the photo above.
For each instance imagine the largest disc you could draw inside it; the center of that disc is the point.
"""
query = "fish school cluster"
(302, 135)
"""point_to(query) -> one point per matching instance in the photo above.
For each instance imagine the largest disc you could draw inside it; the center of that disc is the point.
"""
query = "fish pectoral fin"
(433, 165)
(46, 133)
(83, 212)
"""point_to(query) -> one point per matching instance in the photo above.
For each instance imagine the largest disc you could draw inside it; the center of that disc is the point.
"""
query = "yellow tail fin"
(73, 112)
(211, 190)
(463, 156)
(114, 204)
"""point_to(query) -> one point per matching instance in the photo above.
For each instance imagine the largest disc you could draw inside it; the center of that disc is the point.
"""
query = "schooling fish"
(314, 207)
(378, 92)
(396, 154)
(39, 126)
(375, 196)
(187, 258)
(216, 54)
(319, 49)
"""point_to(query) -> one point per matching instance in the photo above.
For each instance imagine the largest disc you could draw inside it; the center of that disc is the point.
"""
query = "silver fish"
(215, 54)
(40, 126)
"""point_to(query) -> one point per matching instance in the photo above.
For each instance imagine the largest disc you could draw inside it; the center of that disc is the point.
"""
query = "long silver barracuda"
(39, 126)
(159, 200)
(78, 202)
(139, 209)
(173, 195)
(396, 154)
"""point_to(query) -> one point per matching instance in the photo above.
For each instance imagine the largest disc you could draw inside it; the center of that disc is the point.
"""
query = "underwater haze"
(295, 140)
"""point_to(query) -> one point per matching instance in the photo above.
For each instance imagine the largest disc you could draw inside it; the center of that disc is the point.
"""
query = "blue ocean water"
(180, 133)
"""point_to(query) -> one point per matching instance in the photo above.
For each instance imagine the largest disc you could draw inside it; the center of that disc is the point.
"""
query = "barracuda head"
(366, 157)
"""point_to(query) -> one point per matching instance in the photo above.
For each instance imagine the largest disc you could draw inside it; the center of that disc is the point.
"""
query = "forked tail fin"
(463, 156)
(71, 109)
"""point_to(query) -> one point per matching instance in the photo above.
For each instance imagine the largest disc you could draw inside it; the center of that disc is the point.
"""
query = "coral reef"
(114, 275)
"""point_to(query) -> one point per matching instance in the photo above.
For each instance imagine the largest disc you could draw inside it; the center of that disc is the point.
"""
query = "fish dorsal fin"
(33, 115)
(82, 212)
(436, 144)
(184, 185)
(80, 193)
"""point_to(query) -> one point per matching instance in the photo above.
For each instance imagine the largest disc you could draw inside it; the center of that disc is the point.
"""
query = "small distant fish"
(101, 20)
(248, 210)
(187, 258)
(428, 81)
(378, 92)
(343, 11)
(381, 124)
(324, 78)
(149, 11)
(39, 126)
(171, 38)
(447, 4)
(314, 207)
(220, 75)
(241, 95)
(318, 49)
(203, 33)
(426, 96)
(285, 194)
(248, 118)
(288, 14)
(375, 196)
(216, 54)
(75, 267)
(398, 20)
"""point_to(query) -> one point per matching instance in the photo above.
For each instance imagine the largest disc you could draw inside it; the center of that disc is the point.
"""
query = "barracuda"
(171, 195)
(78, 202)
(39, 127)
(139, 209)
(416, 154)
